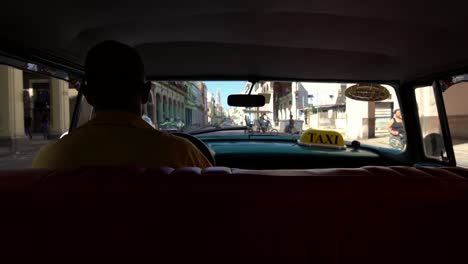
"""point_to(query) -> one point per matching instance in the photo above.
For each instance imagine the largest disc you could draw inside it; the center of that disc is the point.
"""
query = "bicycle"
(291, 130)
(398, 141)
(269, 129)
(250, 128)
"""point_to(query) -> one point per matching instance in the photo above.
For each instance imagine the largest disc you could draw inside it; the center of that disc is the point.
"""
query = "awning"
(324, 107)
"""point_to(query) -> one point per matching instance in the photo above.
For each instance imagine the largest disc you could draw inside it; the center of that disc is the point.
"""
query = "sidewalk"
(460, 147)
(32, 145)
(378, 141)
(4, 151)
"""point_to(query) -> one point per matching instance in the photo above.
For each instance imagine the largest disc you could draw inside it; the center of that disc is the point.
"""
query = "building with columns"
(178, 100)
(167, 101)
(43, 99)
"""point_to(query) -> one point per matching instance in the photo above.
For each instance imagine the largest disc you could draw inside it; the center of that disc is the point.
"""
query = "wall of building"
(194, 105)
(169, 101)
(11, 107)
(34, 97)
(312, 97)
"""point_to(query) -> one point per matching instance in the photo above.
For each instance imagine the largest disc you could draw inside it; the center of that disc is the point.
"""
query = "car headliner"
(342, 40)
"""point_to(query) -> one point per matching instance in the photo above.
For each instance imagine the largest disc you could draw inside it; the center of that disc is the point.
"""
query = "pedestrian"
(27, 125)
(248, 124)
(264, 122)
(397, 130)
(180, 125)
(395, 126)
(45, 124)
(290, 127)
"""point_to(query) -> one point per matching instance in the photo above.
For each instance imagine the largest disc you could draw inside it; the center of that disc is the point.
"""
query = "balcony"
(179, 86)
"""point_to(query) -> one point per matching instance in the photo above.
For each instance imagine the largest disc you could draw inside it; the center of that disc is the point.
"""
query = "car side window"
(457, 114)
(86, 112)
(433, 141)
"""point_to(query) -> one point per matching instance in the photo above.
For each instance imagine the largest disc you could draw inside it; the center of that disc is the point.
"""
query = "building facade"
(322, 106)
(166, 101)
(211, 107)
(204, 90)
(195, 104)
(254, 113)
(43, 100)
(215, 112)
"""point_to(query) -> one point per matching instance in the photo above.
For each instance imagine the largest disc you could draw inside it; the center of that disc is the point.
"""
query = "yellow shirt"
(119, 139)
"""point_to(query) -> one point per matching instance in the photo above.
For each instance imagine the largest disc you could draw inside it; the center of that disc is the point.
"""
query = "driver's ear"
(145, 92)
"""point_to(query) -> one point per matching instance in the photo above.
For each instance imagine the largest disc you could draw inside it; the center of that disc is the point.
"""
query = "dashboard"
(288, 154)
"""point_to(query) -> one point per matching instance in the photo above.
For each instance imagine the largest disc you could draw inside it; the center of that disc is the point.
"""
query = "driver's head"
(115, 78)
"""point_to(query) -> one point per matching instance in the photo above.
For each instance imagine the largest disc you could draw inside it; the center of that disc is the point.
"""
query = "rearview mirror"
(245, 100)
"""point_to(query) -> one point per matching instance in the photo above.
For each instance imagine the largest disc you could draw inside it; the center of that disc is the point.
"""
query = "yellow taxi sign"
(322, 138)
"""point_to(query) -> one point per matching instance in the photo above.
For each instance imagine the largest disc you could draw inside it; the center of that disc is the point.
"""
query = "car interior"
(268, 198)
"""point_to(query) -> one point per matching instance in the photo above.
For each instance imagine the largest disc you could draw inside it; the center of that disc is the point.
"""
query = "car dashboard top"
(276, 152)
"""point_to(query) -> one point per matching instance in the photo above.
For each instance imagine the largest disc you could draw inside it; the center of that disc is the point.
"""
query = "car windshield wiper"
(209, 130)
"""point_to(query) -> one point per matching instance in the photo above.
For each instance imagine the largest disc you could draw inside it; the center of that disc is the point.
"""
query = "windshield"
(290, 109)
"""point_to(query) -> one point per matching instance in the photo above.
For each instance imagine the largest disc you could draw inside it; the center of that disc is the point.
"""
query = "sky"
(226, 88)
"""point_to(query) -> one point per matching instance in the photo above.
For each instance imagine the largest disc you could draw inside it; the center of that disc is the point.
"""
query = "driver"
(117, 136)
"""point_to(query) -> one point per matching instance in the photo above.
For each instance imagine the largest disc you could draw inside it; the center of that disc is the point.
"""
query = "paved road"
(17, 161)
(24, 159)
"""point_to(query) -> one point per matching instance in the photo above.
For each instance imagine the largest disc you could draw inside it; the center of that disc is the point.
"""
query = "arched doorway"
(169, 112)
(150, 107)
(165, 106)
(182, 113)
(159, 111)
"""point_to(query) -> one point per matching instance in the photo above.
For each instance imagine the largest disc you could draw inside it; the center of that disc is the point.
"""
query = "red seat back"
(367, 215)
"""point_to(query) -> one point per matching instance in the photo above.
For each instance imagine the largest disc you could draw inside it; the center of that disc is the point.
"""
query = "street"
(23, 159)
(17, 161)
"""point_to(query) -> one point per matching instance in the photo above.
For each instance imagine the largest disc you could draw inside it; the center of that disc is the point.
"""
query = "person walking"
(45, 124)
(290, 127)
(27, 125)
(397, 131)
(395, 126)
